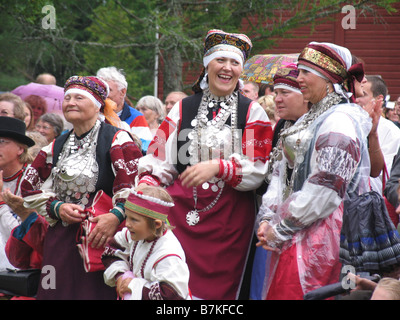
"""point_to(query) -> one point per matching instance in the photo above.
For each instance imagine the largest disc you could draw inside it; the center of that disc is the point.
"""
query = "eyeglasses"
(38, 127)
(6, 113)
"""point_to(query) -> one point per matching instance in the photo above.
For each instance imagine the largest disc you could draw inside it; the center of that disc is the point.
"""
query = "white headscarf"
(346, 56)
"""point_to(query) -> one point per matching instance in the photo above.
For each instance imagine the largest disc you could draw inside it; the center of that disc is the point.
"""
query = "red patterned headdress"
(286, 77)
(325, 60)
(219, 43)
(92, 87)
(334, 63)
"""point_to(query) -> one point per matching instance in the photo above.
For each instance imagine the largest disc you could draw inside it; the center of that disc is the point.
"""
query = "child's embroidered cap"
(148, 206)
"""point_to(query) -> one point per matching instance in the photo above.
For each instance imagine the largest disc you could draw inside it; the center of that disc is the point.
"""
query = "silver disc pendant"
(300, 159)
(192, 218)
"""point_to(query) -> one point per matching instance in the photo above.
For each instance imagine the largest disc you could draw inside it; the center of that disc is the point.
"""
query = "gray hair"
(113, 74)
(153, 103)
(55, 120)
(40, 142)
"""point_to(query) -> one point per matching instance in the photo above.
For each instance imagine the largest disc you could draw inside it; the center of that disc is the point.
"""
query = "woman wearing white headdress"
(94, 158)
(212, 151)
(324, 155)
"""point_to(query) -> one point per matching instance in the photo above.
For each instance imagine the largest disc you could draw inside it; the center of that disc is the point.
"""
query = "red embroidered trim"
(221, 169)
(230, 172)
(168, 255)
(237, 178)
(18, 175)
(147, 178)
(157, 145)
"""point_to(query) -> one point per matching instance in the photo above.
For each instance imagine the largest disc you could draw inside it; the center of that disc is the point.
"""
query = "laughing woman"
(211, 152)
(65, 177)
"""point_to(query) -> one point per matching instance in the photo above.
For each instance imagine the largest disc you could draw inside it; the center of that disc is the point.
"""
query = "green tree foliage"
(133, 35)
(126, 45)
(16, 56)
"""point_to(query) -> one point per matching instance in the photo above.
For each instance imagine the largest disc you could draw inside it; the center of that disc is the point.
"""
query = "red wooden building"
(376, 41)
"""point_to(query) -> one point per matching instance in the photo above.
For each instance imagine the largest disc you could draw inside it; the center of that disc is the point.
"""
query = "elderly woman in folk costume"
(211, 152)
(290, 106)
(323, 157)
(94, 158)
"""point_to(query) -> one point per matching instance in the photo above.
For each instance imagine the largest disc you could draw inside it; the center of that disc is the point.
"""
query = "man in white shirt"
(388, 133)
(14, 157)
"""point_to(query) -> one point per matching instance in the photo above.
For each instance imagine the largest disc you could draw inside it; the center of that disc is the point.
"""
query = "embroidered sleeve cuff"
(264, 219)
(286, 229)
(20, 231)
(53, 208)
(229, 171)
(119, 211)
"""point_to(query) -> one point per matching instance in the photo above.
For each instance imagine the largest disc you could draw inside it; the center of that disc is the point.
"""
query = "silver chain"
(211, 205)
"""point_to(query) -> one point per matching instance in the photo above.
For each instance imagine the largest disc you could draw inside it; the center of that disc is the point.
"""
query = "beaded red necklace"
(145, 259)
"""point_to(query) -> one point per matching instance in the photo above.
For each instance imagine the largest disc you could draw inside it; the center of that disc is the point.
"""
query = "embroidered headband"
(334, 63)
(91, 87)
(324, 59)
(219, 43)
(286, 78)
(148, 206)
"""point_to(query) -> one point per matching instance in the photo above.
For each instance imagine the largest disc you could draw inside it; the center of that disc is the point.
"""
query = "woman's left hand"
(107, 225)
(267, 237)
(201, 172)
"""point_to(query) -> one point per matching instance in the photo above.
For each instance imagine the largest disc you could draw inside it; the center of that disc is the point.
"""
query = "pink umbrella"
(54, 95)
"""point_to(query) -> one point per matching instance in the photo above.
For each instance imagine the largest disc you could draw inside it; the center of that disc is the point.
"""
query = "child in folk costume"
(145, 261)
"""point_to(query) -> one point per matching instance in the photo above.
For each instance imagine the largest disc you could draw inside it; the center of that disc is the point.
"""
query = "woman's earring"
(327, 88)
(204, 81)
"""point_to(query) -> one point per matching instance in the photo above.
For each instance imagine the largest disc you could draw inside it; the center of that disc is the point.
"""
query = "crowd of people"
(234, 192)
